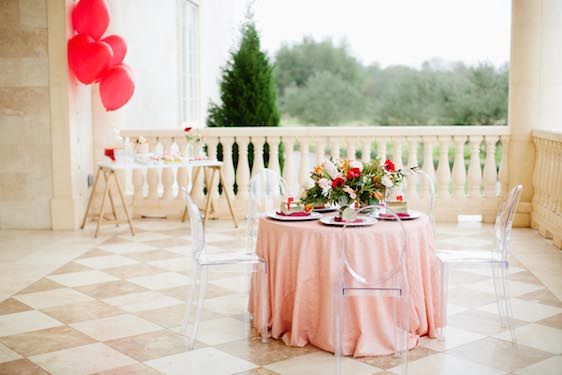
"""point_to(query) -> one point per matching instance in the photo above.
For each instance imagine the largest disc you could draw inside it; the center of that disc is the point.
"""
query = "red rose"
(187, 129)
(353, 173)
(338, 182)
(389, 166)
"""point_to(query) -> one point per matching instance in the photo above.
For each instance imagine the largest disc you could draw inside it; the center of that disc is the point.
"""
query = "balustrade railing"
(547, 184)
(466, 163)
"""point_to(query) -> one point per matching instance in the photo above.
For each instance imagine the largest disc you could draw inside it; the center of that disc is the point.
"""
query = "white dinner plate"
(366, 221)
(325, 209)
(312, 216)
(413, 215)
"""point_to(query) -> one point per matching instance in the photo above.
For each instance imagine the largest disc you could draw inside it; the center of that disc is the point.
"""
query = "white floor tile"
(108, 261)
(163, 280)
(320, 363)
(526, 310)
(453, 337)
(127, 247)
(551, 366)
(228, 305)
(145, 236)
(50, 298)
(115, 327)
(13, 324)
(134, 302)
(443, 364)
(537, 336)
(517, 288)
(85, 359)
(72, 279)
(7, 354)
(201, 361)
(220, 331)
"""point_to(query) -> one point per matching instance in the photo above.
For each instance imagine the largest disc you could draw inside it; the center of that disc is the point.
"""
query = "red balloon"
(118, 46)
(87, 58)
(91, 17)
(116, 87)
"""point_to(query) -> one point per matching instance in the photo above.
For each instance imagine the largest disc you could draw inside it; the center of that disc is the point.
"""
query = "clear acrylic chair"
(202, 260)
(391, 282)
(428, 189)
(267, 190)
(497, 258)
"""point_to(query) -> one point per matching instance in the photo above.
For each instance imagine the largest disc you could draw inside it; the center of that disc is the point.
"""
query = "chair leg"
(190, 298)
(498, 291)
(441, 332)
(507, 302)
(264, 302)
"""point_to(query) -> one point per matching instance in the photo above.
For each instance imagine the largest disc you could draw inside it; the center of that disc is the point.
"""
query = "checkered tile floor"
(71, 304)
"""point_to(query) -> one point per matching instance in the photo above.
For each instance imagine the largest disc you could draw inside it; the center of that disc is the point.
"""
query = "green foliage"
(248, 89)
(320, 83)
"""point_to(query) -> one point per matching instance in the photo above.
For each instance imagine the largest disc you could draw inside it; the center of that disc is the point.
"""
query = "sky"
(390, 32)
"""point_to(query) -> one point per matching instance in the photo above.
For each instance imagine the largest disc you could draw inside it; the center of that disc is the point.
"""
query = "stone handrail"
(463, 186)
(547, 184)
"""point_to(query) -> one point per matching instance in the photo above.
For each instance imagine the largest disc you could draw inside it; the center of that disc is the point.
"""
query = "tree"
(248, 89)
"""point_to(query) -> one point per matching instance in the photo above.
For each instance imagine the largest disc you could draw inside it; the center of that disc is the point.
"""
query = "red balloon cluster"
(93, 59)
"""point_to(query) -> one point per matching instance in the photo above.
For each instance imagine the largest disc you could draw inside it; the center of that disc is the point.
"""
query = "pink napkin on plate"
(301, 213)
(340, 220)
(389, 216)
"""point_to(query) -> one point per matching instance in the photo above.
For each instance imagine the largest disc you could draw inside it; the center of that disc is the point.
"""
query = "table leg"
(90, 199)
(194, 178)
(209, 197)
(227, 195)
(124, 204)
(100, 218)
(112, 203)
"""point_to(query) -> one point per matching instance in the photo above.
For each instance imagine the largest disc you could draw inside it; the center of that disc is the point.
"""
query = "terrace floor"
(72, 304)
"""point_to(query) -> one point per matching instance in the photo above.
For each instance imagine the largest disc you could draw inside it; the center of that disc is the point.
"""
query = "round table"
(302, 259)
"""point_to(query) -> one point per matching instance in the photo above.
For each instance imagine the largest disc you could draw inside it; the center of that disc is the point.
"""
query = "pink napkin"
(301, 213)
(389, 216)
(340, 220)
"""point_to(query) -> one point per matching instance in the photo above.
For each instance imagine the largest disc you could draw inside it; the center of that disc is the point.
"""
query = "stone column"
(535, 88)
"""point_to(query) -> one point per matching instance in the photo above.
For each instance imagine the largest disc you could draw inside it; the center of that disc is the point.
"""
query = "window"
(189, 61)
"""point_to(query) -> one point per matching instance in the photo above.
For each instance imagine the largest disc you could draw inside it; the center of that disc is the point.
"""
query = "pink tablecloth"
(302, 262)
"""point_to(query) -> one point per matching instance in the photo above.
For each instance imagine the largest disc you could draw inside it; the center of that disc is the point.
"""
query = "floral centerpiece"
(350, 182)
(193, 139)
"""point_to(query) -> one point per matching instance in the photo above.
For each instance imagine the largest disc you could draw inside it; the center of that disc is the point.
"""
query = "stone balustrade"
(460, 159)
(547, 184)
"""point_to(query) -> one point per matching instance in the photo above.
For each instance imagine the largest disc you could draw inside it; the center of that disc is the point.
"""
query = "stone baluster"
(459, 170)
(152, 173)
(320, 150)
(273, 164)
(428, 166)
(351, 150)
(212, 145)
(334, 148)
(182, 175)
(490, 171)
(366, 149)
(504, 167)
(381, 148)
(304, 168)
(258, 143)
(138, 186)
(228, 168)
(443, 169)
(168, 174)
(474, 169)
(198, 186)
(397, 152)
(289, 167)
(243, 171)
(412, 179)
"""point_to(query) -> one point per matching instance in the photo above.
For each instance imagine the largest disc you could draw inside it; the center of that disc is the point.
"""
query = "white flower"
(356, 164)
(386, 181)
(308, 184)
(350, 191)
(324, 183)
(331, 169)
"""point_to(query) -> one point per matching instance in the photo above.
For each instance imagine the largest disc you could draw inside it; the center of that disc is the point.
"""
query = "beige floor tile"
(111, 289)
(73, 279)
(145, 236)
(525, 310)
(135, 270)
(554, 321)
(180, 265)
(444, 364)
(231, 304)
(201, 361)
(50, 298)
(135, 302)
(390, 361)
(164, 280)
(136, 369)
(551, 366)
(46, 340)
(21, 367)
(127, 247)
(166, 316)
(499, 354)
(180, 292)
(106, 261)
(463, 296)
(115, 327)
(479, 322)
(253, 350)
(184, 249)
(85, 359)
(258, 371)
(517, 288)
(10, 306)
(150, 345)
(524, 276)
(7, 354)
(172, 242)
(156, 255)
(13, 324)
(235, 284)
(70, 267)
(40, 286)
(222, 330)
(454, 337)
(543, 296)
(93, 253)
(541, 337)
(79, 312)
(320, 363)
